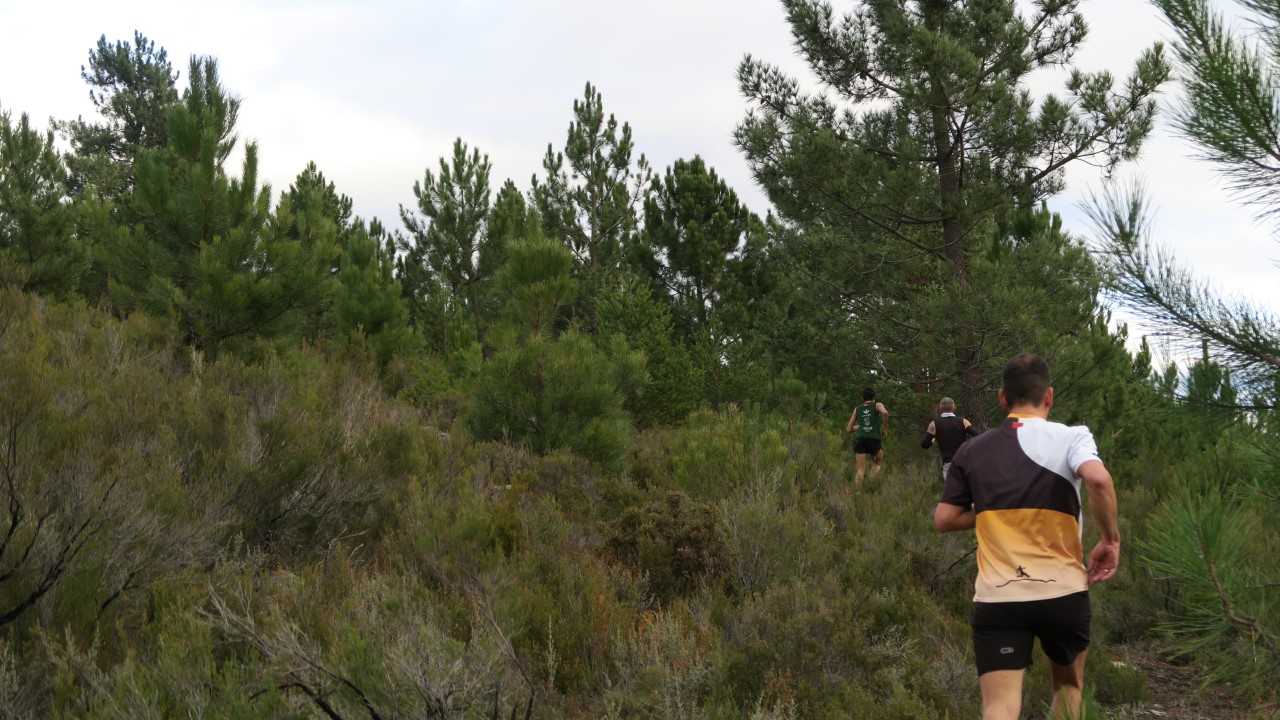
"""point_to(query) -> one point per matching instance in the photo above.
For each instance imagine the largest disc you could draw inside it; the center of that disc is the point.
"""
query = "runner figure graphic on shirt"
(1021, 575)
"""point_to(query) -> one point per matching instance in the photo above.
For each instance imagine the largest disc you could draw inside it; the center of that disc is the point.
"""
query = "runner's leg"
(879, 458)
(1001, 694)
(860, 463)
(1068, 688)
(1064, 636)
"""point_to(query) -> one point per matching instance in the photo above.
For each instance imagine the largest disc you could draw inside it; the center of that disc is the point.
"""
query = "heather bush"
(662, 667)
(330, 640)
(772, 537)
(96, 501)
(675, 542)
(710, 455)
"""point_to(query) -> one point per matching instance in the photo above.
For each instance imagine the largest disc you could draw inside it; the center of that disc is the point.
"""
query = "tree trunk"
(949, 151)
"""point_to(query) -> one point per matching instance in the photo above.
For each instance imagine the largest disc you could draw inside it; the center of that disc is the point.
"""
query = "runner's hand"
(1103, 562)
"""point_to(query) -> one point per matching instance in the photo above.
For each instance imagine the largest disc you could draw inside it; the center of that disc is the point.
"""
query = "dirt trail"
(1174, 692)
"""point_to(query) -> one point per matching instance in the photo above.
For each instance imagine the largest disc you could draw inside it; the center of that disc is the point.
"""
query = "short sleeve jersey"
(1021, 480)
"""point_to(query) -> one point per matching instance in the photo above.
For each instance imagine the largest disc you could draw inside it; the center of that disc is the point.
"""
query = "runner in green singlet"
(867, 425)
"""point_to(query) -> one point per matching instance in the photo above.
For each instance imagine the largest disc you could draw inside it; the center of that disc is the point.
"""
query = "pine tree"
(590, 192)
(674, 383)
(133, 88)
(39, 247)
(312, 188)
(1209, 384)
(547, 386)
(363, 295)
(451, 243)
(695, 233)
(206, 248)
(512, 218)
(925, 135)
(694, 225)
(778, 312)
(367, 297)
(537, 285)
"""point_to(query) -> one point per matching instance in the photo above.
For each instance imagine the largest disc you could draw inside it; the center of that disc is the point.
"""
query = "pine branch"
(1148, 281)
(1232, 106)
(1248, 625)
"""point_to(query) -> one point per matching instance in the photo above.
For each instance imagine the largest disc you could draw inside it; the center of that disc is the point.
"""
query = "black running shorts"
(866, 446)
(1003, 633)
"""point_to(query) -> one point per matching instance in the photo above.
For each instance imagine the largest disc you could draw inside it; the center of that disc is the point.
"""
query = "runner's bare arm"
(926, 441)
(1105, 557)
(953, 518)
(880, 408)
(848, 427)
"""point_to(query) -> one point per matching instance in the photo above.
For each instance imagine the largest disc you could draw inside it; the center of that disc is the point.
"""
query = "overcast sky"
(374, 91)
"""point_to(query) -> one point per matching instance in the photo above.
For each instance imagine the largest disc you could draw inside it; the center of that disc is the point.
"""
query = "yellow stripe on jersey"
(1028, 554)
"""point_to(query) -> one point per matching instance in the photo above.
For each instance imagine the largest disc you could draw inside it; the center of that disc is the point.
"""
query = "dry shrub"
(662, 667)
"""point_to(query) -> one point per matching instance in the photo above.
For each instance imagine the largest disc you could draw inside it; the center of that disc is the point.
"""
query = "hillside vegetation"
(280, 538)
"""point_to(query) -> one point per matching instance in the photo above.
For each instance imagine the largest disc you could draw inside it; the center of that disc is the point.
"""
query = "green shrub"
(711, 454)
(837, 652)
(328, 641)
(675, 541)
(95, 502)
(557, 394)
(426, 382)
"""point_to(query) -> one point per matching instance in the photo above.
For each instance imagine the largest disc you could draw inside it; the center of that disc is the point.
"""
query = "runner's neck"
(1029, 412)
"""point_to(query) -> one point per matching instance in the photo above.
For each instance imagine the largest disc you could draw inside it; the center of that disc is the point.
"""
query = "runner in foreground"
(950, 430)
(1019, 486)
(867, 425)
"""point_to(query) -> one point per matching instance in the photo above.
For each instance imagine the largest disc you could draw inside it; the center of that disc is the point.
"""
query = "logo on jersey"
(1024, 576)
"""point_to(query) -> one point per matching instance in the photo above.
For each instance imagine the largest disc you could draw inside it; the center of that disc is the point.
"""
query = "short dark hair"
(1026, 379)
(869, 394)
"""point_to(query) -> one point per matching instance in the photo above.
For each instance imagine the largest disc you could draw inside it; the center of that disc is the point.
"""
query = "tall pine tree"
(132, 87)
(589, 195)
(206, 248)
(40, 250)
(452, 248)
(694, 225)
(924, 135)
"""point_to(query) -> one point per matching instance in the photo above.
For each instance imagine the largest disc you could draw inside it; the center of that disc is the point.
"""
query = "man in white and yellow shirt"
(1019, 486)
